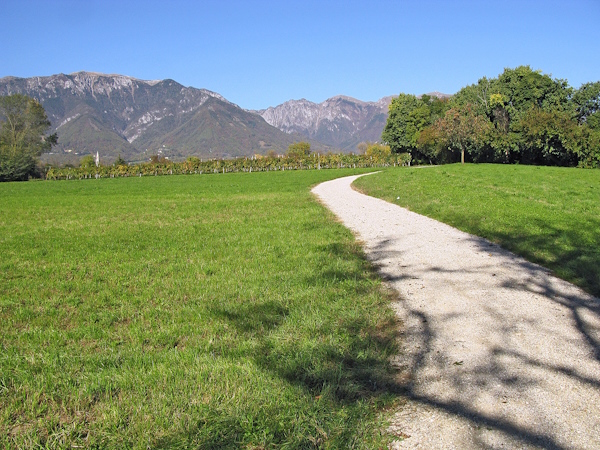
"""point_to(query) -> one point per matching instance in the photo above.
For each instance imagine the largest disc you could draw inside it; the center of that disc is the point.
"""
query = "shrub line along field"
(549, 215)
(193, 165)
(228, 311)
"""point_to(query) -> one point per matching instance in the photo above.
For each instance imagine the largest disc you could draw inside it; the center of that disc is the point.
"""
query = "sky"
(260, 53)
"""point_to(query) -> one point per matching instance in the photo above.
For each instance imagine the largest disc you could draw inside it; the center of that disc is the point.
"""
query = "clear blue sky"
(260, 53)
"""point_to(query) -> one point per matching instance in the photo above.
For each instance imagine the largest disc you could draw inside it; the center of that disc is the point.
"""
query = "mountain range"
(120, 115)
(341, 122)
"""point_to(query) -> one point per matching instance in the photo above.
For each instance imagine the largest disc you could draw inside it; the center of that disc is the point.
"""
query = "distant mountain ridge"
(117, 114)
(341, 122)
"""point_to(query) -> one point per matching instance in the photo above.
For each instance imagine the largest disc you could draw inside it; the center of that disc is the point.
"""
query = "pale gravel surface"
(497, 353)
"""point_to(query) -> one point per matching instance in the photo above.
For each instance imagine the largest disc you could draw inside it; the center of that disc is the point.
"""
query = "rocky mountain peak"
(339, 121)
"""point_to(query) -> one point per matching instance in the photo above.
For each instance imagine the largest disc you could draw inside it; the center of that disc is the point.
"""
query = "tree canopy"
(521, 116)
(408, 117)
(298, 150)
(587, 103)
(23, 128)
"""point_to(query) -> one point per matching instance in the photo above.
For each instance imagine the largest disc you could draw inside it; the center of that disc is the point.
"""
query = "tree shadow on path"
(501, 372)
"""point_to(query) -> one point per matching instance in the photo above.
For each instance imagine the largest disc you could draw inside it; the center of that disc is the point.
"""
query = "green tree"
(157, 159)
(589, 153)
(587, 104)
(298, 150)
(462, 130)
(23, 128)
(499, 144)
(507, 102)
(362, 147)
(523, 89)
(510, 96)
(87, 162)
(408, 117)
(549, 138)
(398, 132)
(429, 144)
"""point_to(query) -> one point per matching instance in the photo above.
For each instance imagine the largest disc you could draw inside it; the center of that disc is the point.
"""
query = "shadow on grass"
(364, 270)
(347, 372)
(226, 432)
(347, 355)
(253, 319)
(336, 359)
(569, 253)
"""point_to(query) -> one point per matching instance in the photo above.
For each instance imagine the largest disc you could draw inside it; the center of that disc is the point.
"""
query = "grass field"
(215, 311)
(550, 215)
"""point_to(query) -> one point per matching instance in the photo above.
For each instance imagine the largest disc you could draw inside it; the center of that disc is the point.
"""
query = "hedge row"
(197, 166)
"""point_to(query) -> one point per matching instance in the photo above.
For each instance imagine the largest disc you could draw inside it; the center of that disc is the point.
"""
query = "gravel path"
(497, 353)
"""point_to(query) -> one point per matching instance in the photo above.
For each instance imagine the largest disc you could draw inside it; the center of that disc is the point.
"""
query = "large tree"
(549, 138)
(397, 132)
(524, 89)
(408, 117)
(462, 131)
(23, 128)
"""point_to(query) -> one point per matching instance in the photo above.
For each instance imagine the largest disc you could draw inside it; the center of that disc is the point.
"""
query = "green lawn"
(213, 311)
(550, 215)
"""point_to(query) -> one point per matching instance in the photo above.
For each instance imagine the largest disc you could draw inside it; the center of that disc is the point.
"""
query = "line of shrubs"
(193, 165)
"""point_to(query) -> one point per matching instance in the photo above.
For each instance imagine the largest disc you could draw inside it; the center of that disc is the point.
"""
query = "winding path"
(497, 353)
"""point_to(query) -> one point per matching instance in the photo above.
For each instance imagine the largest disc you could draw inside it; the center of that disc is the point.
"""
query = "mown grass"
(222, 311)
(550, 215)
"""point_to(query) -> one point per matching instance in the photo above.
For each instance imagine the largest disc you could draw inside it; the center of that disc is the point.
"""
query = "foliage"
(477, 95)
(158, 159)
(549, 215)
(589, 153)
(23, 127)
(523, 116)
(180, 312)
(587, 103)
(195, 165)
(298, 150)
(408, 117)
(397, 132)
(87, 162)
(378, 152)
(460, 131)
(429, 144)
(525, 88)
(548, 138)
